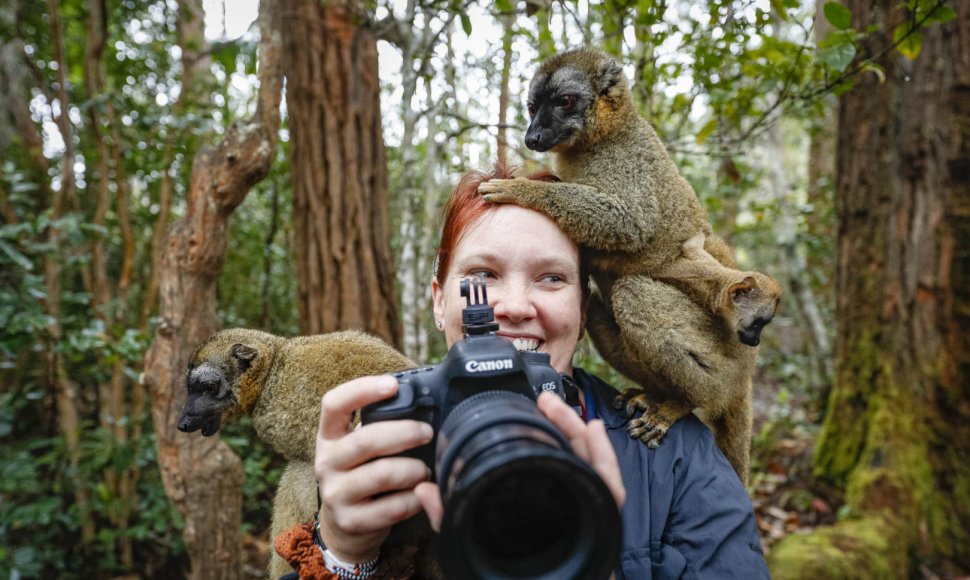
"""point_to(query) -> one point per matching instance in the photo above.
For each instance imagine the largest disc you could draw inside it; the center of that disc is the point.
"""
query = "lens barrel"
(518, 503)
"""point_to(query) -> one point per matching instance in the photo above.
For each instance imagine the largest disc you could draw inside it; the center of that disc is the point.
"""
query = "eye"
(532, 111)
(567, 101)
(482, 273)
(211, 388)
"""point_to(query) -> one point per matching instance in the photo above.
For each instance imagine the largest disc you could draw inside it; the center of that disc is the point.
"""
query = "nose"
(512, 303)
(532, 138)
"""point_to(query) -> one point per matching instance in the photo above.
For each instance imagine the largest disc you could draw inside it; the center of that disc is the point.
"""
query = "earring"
(441, 325)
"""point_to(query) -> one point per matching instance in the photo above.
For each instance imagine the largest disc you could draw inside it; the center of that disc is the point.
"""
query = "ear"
(437, 299)
(243, 355)
(610, 74)
(740, 290)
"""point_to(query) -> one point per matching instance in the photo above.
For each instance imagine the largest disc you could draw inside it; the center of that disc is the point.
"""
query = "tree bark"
(897, 432)
(339, 173)
(202, 476)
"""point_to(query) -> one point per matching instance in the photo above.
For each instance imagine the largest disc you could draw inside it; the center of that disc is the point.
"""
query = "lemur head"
(215, 372)
(575, 99)
(755, 300)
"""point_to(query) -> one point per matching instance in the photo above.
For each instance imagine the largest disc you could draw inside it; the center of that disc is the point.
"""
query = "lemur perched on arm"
(675, 315)
(279, 383)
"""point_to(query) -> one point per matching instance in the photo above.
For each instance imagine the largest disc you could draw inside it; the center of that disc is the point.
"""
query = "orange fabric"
(296, 546)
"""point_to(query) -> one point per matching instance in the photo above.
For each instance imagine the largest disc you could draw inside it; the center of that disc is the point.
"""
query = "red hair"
(465, 206)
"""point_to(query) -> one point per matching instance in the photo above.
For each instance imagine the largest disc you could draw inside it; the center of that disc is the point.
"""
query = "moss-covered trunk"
(896, 437)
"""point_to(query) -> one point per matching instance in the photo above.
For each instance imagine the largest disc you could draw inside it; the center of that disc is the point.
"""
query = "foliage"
(40, 520)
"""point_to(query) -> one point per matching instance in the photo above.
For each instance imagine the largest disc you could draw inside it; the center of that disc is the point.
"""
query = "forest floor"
(786, 498)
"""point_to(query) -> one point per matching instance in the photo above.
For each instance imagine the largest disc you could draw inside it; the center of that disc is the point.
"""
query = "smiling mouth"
(525, 343)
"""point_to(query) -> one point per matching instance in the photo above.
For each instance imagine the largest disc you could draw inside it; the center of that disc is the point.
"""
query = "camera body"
(482, 361)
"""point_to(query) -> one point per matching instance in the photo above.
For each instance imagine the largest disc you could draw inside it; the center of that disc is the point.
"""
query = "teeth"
(525, 343)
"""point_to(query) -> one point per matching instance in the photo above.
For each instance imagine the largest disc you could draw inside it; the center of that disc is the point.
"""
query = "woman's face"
(532, 277)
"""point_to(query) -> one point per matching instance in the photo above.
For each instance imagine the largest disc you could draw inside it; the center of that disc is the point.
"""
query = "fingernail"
(387, 385)
(426, 431)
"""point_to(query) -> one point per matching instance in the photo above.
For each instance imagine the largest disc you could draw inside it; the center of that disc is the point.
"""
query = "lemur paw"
(631, 401)
(498, 191)
(648, 429)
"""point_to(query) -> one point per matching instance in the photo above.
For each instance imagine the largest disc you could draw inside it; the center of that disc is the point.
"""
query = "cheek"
(563, 321)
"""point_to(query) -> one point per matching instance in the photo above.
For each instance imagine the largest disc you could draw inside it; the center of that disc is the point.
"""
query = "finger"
(565, 418)
(379, 439)
(383, 475)
(604, 462)
(375, 515)
(429, 495)
(562, 415)
(337, 406)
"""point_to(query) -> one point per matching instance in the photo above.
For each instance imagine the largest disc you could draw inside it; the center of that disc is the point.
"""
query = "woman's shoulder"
(688, 439)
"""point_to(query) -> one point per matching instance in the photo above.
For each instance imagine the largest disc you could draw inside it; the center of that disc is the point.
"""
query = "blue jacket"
(686, 513)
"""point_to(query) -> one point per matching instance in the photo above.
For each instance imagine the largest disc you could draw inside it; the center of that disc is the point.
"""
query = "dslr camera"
(518, 502)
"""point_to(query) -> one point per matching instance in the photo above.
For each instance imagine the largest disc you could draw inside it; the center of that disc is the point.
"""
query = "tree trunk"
(339, 173)
(897, 433)
(65, 391)
(202, 476)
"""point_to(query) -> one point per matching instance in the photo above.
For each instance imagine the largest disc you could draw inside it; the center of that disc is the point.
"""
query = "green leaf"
(910, 41)
(706, 131)
(466, 24)
(779, 7)
(837, 15)
(838, 55)
(942, 14)
(20, 259)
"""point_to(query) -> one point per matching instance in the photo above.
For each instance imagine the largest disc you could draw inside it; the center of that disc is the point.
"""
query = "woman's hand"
(352, 467)
(588, 440)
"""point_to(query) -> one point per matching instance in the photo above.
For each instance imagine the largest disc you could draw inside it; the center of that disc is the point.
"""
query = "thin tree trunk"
(508, 21)
(65, 390)
(339, 173)
(196, 63)
(407, 197)
(896, 436)
(202, 476)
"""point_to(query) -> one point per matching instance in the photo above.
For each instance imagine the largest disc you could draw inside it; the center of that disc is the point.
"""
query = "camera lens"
(518, 503)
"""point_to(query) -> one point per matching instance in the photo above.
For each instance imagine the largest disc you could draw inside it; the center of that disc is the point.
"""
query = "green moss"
(865, 549)
(847, 421)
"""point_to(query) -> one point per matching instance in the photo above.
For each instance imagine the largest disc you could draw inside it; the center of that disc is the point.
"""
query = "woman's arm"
(712, 522)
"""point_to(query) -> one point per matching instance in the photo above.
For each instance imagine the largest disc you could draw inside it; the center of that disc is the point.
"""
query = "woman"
(684, 511)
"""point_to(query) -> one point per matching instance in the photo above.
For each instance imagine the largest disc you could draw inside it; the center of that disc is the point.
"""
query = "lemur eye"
(532, 111)
(567, 101)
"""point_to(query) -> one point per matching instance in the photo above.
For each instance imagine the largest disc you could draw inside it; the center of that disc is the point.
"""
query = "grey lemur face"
(558, 103)
(209, 395)
(751, 325)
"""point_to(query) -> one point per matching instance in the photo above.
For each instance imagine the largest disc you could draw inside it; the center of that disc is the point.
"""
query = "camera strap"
(589, 411)
(571, 390)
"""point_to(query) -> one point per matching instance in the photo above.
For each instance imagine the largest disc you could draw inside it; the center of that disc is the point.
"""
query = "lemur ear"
(243, 355)
(609, 75)
(740, 290)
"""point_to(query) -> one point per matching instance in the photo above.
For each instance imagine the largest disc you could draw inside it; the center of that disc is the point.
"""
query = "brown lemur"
(667, 318)
(279, 383)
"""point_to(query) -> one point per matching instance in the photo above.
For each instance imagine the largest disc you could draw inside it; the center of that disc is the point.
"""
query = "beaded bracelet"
(344, 570)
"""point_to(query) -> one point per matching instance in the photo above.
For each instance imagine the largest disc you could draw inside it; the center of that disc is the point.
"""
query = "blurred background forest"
(157, 182)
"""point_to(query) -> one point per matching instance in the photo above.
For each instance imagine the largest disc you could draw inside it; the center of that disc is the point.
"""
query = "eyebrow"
(554, 262)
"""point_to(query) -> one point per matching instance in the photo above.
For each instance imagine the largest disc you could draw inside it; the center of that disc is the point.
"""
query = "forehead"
(510, 231)
(567, 79)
